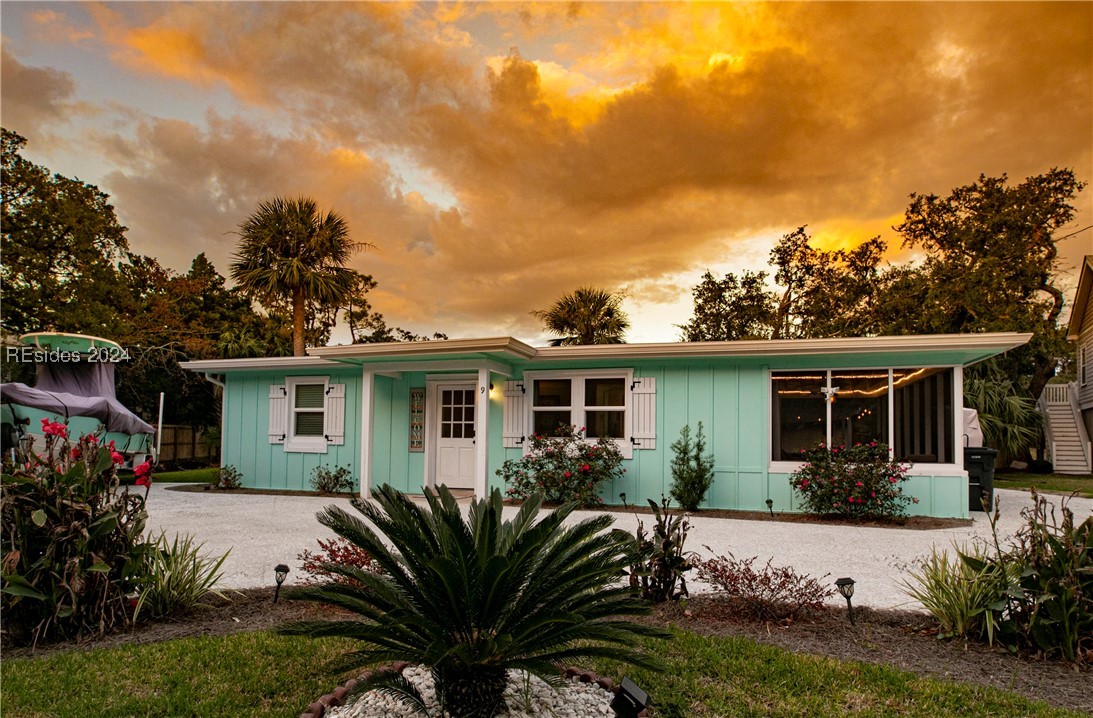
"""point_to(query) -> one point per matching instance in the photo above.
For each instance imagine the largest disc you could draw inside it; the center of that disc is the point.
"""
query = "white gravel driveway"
(262, 531)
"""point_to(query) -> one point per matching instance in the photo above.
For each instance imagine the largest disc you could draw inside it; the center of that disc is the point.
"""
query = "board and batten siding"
(246, 443)
(1085, 390)
(732, 402)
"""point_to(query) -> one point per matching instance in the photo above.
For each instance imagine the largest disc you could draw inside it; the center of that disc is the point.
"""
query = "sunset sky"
(498, 155)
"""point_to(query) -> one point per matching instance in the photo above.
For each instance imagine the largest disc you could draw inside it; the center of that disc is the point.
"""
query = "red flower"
(52, 428)
(567, 474)
(116, 457)
(143, 481)
(586, 467)
(143, 469)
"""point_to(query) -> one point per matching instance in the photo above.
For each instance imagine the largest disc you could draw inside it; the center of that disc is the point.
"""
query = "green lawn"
(259, 674)
(190, 476)
(1047, 483)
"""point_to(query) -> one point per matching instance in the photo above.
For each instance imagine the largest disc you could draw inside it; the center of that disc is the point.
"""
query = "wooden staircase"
(1068, 444)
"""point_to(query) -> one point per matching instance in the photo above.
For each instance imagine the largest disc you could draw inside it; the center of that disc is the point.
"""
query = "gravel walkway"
(262, 531)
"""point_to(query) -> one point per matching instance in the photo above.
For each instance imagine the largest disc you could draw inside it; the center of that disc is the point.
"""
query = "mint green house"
(451, 412)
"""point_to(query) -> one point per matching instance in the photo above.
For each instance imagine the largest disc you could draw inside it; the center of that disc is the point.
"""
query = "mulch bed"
(903, 639)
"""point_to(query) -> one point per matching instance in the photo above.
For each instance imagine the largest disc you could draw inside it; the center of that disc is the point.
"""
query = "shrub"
(860, 481)
(692, 469)
(72, 547)
(773, 593)
(179, 576)
(228, 477)
(957, 591)
(337, 551)
(338, 481)
(472, 598)
(662, 558)
(564, 467)
(1035, 595)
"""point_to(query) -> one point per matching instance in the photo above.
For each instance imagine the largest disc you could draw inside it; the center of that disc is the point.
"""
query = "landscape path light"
(846, 588)
(280, 572)
(629, 700)
(770, 507)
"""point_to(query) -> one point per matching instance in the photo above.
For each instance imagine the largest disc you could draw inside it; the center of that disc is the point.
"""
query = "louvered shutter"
(644, 412)
(334, 415)
(514, 432)
(278, 413)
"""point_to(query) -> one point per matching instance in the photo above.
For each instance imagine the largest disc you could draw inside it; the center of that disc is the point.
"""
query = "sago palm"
(290, 251)
(586, 316)
(473, 598)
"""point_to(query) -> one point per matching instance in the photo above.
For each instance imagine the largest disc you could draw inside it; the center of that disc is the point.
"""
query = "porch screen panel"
(798, 412)
(923, 415)
(859, 410)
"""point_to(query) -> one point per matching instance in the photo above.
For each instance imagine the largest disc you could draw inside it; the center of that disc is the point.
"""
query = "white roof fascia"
(307, 362)
(1082, 296)
(508, 345)
(999, 341)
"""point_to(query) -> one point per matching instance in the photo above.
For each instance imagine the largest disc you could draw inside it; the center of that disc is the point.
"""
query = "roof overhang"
(1081, 299)
(220, 365)
(500, 352)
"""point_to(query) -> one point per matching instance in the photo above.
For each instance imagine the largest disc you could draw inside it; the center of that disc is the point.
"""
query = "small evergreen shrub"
(692, 469)
(859, 481)
(772, 593)
(336, 481)
(663, 559)
(179, 576)
(229, 477)
(337, 552)
(563, 467)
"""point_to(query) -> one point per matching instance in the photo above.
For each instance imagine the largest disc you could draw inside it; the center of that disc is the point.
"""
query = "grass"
(1047, 483)
(241, 675)
(259, 674)
(189, 476)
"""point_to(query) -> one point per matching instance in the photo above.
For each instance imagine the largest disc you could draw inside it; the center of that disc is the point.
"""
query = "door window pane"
(923, 415)
(798, 412)
(859, 410)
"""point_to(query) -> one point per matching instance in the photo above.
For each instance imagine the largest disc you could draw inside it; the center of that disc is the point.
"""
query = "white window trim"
(577, 405)
(919, 469)
(303, 444)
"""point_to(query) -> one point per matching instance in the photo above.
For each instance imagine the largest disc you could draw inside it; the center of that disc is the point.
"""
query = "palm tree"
(291, 252)
(472, 598)
(587, 316)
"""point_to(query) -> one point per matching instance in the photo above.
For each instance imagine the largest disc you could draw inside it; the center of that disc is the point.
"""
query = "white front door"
(455, 452)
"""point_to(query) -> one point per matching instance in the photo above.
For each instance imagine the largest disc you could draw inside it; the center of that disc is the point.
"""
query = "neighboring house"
(1080, 331)
(451, 412)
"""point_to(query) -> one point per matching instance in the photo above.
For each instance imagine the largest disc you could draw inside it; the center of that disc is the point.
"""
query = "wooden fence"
(182, 443)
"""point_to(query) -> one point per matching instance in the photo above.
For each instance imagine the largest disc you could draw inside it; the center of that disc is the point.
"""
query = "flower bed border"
(317, 708)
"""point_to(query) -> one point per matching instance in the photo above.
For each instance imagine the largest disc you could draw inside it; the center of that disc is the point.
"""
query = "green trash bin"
(979, 463)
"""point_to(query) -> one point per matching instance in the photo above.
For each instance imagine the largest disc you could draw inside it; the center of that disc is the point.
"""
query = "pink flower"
(892, 479)
(873, 494)
(859, 484)
(52, 428)
(914, 500)
(804, 483)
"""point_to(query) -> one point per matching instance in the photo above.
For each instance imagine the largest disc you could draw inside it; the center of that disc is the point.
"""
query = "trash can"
(979, 463)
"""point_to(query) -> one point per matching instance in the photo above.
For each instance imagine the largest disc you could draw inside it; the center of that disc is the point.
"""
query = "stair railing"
(1049, 438)
(1083, 435)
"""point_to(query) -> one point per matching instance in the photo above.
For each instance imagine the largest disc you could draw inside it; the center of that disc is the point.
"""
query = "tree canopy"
(989, 265)
(588, 315)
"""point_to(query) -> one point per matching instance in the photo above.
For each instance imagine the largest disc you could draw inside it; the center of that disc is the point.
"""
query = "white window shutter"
(644, 413)
(515, 429)
(278, 413)
(334, 418)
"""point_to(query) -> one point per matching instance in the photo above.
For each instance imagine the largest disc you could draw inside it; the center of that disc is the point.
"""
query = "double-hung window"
(306, 414)
(596, 402)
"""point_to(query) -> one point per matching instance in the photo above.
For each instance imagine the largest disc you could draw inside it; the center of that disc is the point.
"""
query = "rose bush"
(563, 467)
(857, 481)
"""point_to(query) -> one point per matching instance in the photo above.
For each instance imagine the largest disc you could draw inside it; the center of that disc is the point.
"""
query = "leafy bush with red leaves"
(335, 551)
(772, 592)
